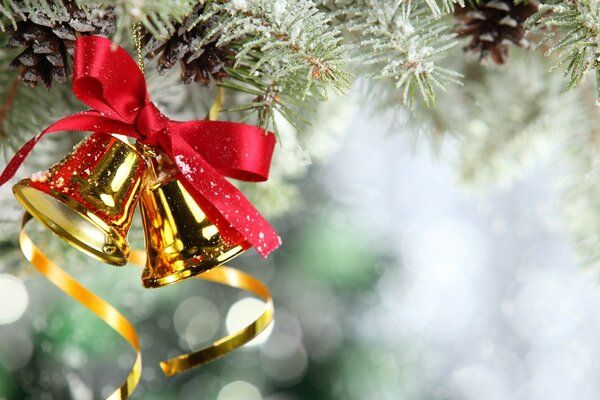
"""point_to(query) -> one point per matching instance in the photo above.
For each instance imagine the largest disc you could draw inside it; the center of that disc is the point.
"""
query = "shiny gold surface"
(112, 317)
(180, 241)
(89, 198)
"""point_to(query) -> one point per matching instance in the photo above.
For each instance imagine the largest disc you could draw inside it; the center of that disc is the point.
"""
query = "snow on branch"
(403, 41)
(286, 54)
(156, 15)
(572, 32)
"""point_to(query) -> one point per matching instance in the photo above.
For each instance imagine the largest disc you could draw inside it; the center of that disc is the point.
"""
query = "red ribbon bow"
(106, 78)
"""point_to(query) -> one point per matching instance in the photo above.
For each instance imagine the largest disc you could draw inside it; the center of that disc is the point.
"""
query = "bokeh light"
(15, 293)
(284, 359)
(242, 313)
(546, 310)
(196, 320)
(16, 348)
(239, 390)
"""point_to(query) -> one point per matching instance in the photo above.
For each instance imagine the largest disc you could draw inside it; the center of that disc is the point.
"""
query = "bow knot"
(107, 79)
(151, 124)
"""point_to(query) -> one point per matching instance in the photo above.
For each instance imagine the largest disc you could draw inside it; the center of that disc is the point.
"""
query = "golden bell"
(88, 199)
(180, 240)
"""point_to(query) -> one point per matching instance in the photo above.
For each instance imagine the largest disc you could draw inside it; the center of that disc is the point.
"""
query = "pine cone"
(494, 24)
(50, 43)
(203, 64)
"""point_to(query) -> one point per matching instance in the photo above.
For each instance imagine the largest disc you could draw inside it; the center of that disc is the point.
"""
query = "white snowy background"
(486, 292)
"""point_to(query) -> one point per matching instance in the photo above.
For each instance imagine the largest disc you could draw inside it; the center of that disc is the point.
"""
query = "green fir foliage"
(401, 41)
(286, 54)
(440, 7)
(156, 15)
(572, 32)
(26, 111)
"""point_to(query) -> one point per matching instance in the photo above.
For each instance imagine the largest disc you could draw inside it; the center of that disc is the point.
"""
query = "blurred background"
(393, 282)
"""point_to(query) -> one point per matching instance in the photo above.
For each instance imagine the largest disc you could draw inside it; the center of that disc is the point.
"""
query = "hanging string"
(137, 41)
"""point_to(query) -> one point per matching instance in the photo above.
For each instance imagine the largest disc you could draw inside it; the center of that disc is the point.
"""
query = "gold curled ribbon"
(111, 316)
(95, 304)
(229, 277)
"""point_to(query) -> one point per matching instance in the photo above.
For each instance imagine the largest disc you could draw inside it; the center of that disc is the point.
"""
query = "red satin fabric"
(106, 78)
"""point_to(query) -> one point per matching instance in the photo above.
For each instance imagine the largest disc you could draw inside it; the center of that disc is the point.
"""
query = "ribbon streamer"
(229, 277)
(95, 304)
(224, 275)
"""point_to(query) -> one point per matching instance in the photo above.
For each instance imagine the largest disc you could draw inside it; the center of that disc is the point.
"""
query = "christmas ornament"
(194, 219)
(202, 64)
(88, 199)
(493, 25)
(50, 42)
(180, 240)
(203, 152)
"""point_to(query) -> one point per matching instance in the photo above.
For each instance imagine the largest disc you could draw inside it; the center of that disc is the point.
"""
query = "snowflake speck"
(40, 176)
(60, 182)
(185, 168)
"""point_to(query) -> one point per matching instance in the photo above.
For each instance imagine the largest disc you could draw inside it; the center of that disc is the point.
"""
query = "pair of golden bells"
(89, 198)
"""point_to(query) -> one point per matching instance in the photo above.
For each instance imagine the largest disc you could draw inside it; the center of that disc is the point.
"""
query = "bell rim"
(190, 271)
(115, 236)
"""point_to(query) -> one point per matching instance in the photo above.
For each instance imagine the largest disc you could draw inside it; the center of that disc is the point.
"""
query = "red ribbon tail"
(13, 165)
(252, 230)
(84, 121)
(223, 203)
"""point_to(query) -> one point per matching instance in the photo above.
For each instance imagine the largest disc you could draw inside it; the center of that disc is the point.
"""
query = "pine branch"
(440, 7)
(11, 94)
(401, 41)
(572, 31)
(507, 118)
(24, 112)
(286, 55)
(11, 11)
(156, 15)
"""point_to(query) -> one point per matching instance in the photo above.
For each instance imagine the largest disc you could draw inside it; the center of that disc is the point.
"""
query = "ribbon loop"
(107, 79)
